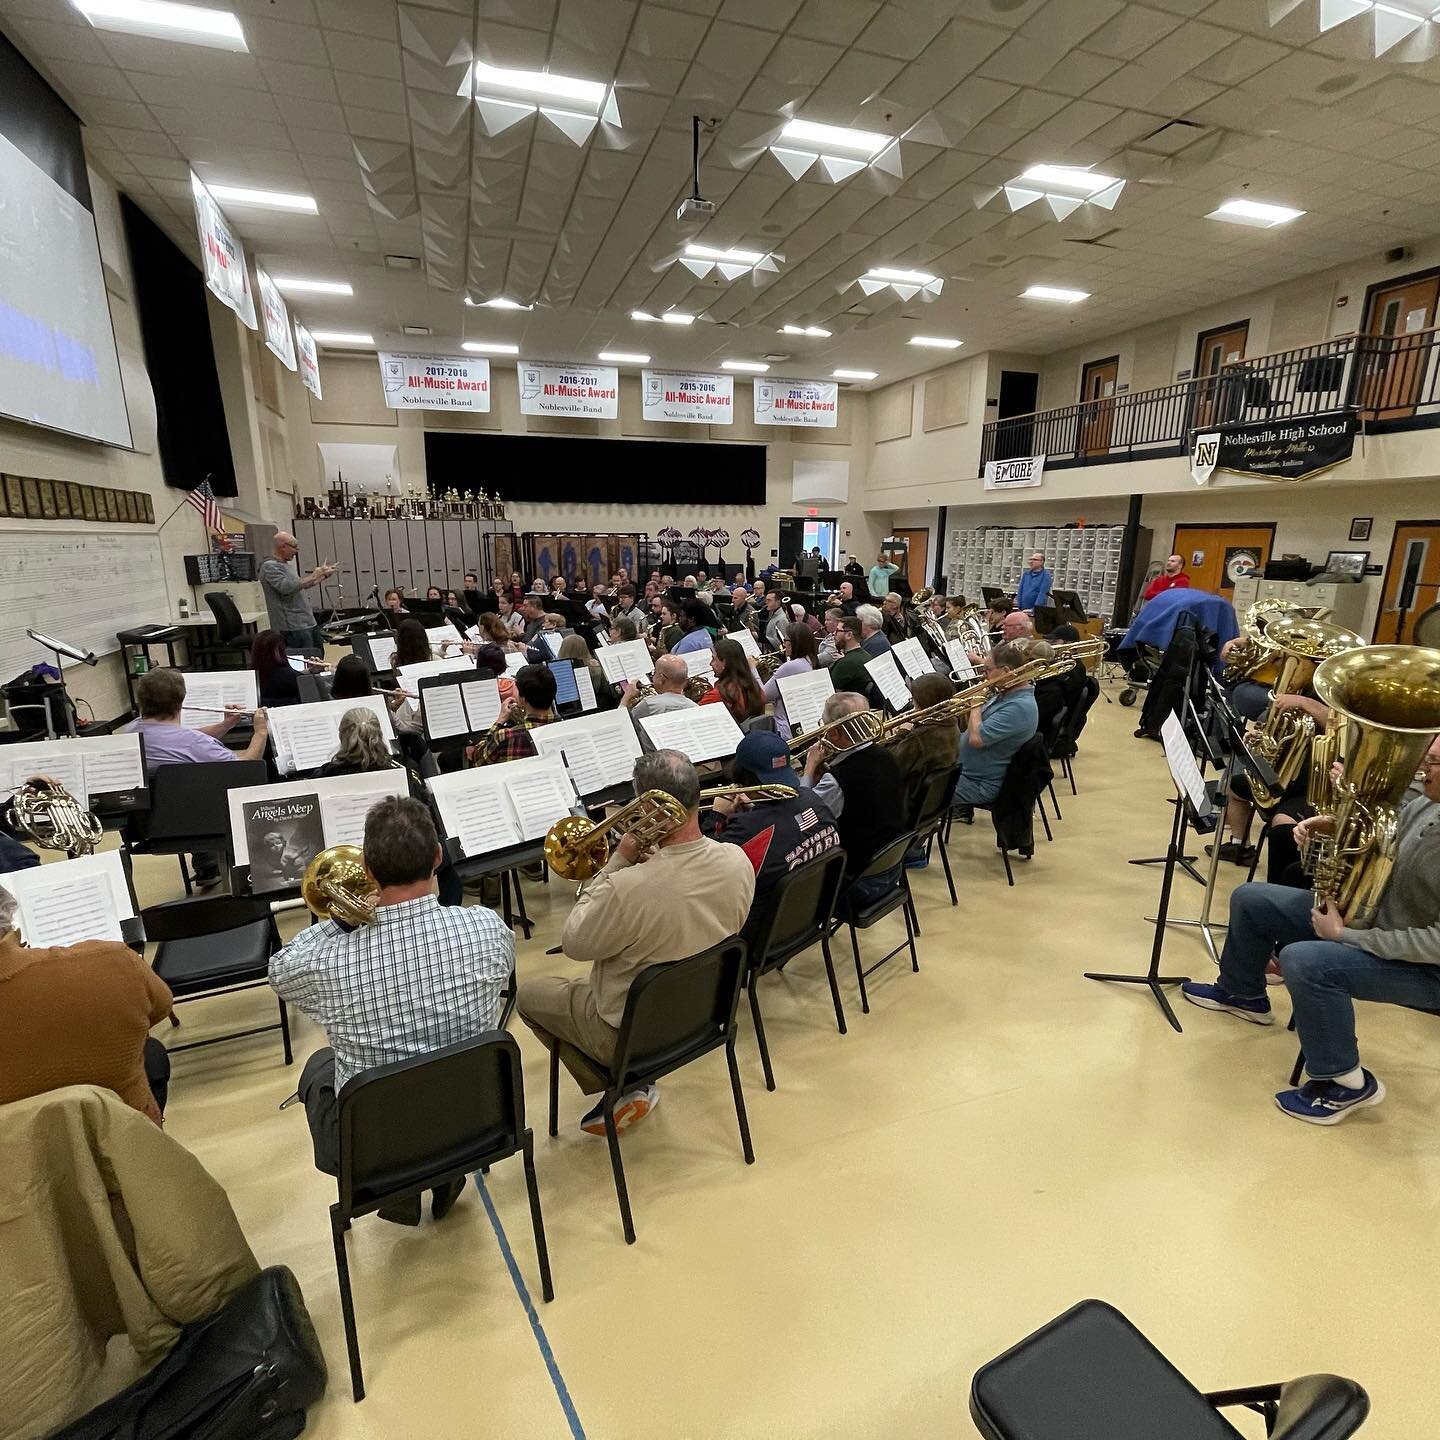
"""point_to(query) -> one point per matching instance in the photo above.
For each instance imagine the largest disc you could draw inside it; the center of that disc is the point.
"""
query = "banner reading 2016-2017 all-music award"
(435, 382)
(586, 392)
(811, 403)
(686, 397)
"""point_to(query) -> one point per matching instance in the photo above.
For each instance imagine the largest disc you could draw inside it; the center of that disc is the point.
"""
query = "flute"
(239, 712)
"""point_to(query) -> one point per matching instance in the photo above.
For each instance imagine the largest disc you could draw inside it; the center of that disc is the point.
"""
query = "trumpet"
(336, 886)
(46, 812)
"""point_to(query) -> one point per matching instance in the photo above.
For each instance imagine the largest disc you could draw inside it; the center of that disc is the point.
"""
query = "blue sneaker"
(1213, 997)
(1323, 1102)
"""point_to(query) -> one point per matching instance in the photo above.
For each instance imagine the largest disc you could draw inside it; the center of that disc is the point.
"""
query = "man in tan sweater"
(80, 1015)
(690, 894)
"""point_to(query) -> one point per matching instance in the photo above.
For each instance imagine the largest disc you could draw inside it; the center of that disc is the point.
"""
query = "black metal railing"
(1385, 379)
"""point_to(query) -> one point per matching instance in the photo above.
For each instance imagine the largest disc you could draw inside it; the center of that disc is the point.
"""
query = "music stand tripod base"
(1155, 982)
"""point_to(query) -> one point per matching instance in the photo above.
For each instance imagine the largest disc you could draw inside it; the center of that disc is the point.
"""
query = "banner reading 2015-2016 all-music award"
(586, 392)
(811, 403)
(687, 397)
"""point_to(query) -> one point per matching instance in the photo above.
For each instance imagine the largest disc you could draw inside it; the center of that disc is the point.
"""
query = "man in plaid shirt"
(509, 737)
(421, 977)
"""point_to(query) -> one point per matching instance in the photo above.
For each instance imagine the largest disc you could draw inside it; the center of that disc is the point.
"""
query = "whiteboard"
(76, 587)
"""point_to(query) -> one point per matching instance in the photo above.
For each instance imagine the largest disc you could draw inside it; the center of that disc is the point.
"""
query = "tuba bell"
(1256, 658)
(337, 887)
(47, 813)
(1385, 712)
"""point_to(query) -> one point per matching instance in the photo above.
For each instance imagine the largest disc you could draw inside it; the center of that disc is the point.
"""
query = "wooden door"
(1217, 394)
(1226, 552)
(916, 556)
(1097, 404)
(1395, 347)
(1412, 581)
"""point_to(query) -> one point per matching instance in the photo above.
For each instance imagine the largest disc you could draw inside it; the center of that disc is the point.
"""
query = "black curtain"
(180, 356)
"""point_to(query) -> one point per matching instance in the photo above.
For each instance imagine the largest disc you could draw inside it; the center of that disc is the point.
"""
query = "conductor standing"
(286, 603)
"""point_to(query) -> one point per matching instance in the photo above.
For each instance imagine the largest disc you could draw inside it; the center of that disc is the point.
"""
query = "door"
(1395, 347)
(1097, 404)
(916, 547)
(1217, 396)
(1226, 553)
(1019, 392)
(1412, 581)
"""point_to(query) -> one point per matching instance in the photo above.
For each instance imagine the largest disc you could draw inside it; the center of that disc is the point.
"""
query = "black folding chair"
(861, 916)
(1091, 1375)
(800, 914)
(1013, 809)
(422, 1123)
(674, 1014)
(931, 814)
(215, 945)
(233, 638)
(1069, 743)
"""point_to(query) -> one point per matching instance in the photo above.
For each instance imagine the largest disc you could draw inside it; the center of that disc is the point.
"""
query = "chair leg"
(185, 875)
(1044, 819)
(285, 1033)
(910, 910)
(911, 931)
(834, 984)
(859, 972)
(537, 1220)
(347, 1302)
(949, 876)
(1299, 1069)
(1055, 802)
(752, 986)
(554, 1091)
(612, 1139)
(1069, 765)
(1009, 873)
(739, 1095)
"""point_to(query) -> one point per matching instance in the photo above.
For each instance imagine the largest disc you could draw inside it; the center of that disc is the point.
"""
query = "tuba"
(1283, 739)
(1257, 658)
(970, 630)
(336, 887)
(47, 813)
(1385, 711)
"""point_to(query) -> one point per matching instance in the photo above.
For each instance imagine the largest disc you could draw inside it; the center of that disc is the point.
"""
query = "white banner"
(309, 360)
(812, 403)
(276, 319)
(691, 398)
(591, 392)
(225, 270)
(1020, 474)
(435, 382)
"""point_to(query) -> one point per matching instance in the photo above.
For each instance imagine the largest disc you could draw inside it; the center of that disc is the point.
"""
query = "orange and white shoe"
(632, 1109)
(1273, 975)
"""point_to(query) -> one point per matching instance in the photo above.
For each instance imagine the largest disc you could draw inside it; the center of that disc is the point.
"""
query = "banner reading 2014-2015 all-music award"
(586, 392)
(689, 398)
(811, 403)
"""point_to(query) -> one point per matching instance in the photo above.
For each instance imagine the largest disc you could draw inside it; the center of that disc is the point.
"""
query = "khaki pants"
(562, 1014)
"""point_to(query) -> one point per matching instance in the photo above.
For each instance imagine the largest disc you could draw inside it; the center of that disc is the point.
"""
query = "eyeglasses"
(1428, 764)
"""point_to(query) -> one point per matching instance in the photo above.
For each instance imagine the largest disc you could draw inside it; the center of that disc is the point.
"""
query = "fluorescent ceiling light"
(294, 285)
(623, 357)
(834, 139)
(1070, 177)
(263, 199)
(1254, 212)
(340, 337)
(670, 317)
(814, 331)
(540, 85)
(899, 277)
(731, 257)
(498, 303)
(936, 342)
(490, 347)
(854, 374)
(192, 24)
(1053, 292)
(752, 366)
(700, 260)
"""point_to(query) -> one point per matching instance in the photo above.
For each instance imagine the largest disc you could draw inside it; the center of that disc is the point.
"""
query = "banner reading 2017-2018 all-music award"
(435, 382)
(586, 392)
(811, 403)
(689, 398)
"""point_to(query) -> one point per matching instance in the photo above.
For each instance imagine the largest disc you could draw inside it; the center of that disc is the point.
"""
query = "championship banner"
(435, 382)
(690, 398)
(309, 360)
(585, 392)
(225, 270)
(1020, 474)
(275, 316)
(1275, 450)
(810, 403)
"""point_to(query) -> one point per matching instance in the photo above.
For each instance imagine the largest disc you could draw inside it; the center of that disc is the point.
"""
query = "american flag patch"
(807, 819)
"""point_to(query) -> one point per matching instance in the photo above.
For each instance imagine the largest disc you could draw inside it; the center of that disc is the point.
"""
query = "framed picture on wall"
(87, 501)
(1347, 562)
(14, 496)
(47, 500)
(1360, 527)
(30, 489)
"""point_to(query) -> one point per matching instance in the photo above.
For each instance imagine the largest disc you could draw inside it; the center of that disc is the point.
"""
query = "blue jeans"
(1324, 977)
(969, 791)
(865, 892)
(305, 642)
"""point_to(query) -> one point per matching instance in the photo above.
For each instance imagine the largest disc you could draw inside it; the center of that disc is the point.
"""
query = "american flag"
(202, 497)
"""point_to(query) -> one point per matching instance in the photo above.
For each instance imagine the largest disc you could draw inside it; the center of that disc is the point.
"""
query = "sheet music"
(382, 647)
(112, 763)
(706, 732)
(746, 641)
(629, 660)
(912, 657)
(600, 750)
(416, 672)
(443, 638)
(479, 815)
(343, 812)
(804, 697)
(443, 709)
(214, 690)
(71, 900)
(23, 761)
(888, 680)
(585, 684)
(577, 750)
(109, 763)
(482, 703)
(961, 664)
(697, 662)
(552, 640)
(1181, 760)
(306, 736)
(540, 793)
(515, 661)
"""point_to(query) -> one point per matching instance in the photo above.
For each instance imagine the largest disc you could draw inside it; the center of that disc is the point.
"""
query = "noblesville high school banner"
(275, 316)
(1275, 449)
(435, 382)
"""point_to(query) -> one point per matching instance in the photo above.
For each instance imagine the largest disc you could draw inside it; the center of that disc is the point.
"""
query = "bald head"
(842, 702)
(670, 675)
(1016, 626)
(286, 546)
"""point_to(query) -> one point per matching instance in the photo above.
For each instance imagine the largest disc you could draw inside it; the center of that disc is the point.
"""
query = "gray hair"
(672, 670)
(362, 742)
(670, 771)
(869, 615)
(625, 628)
(400, 841)
(8, 910)
(842, 702)
(1007, 655)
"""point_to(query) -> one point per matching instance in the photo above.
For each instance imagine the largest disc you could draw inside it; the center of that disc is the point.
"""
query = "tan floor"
(997, 1140)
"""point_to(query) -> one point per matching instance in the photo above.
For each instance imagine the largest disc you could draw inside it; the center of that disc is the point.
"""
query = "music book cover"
(283, 837)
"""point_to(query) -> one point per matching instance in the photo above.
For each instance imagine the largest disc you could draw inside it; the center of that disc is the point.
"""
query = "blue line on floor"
(537, 1329)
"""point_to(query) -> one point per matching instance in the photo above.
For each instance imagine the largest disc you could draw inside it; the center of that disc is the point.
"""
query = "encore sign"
(1274, 449)
(586, 392)
(435, 382)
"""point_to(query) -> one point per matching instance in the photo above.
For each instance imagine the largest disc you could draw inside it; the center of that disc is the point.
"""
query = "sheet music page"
(1181, 760)
(540, 792)
(71, 900)
(612, 663)
(705, 733)
(443, 638)
(214, 690)
(552, 641)
(296, 663)
(443, 709)
(577, 749)
(382, 647)
(912, 657)
(805, 696)
(697, 662)
(637, 661)
(961, 663)
(482, 703)
(310, 740)
(888, 680)
(746, 641)
(412, 674)
(61, 762)
(514, 661)
(617, 747)
(585, 684)
(343, 811)
(112, 763)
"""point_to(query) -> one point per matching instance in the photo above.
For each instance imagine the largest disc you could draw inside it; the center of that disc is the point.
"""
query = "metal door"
(1097, 404)
(384, 563)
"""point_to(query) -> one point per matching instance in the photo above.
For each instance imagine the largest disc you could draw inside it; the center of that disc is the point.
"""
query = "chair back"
(677, 1012)
(888, 858)
(1083, 702)
(310, 687)
(1026, 777)
(428, 1116)
(758, 722)
(934, 799)
(228, 623)
(202, 915)
(188, 801)
(799, 910)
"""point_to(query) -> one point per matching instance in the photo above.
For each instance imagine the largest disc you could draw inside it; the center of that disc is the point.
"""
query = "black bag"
(248, 1372)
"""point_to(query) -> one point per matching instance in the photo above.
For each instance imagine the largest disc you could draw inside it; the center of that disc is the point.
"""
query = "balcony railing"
(1390, 381)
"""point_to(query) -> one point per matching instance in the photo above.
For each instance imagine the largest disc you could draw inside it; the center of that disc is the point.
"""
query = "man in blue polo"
(994, 731)
(1035, 584)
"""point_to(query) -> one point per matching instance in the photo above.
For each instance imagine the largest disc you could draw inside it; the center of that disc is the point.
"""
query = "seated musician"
(666, 633)
(995, 613)
(922, 751)
(742, 610)
(412, 645)
(735, 685)
(668, 682)
(954, 613)
(828, 651)
(420, 977)
(800, 659)
(1056, 695)
(849, 601)
(625, 605)
(352, 682)
(640, 910)
(623, 629)
(849, 672)
(993, 733)
(872, 630)
(509, 737)
(395, 602)
(80, 1015)
(895, 624)
(695, 634)
(275, 679)
(1328, 965)
(532, 612)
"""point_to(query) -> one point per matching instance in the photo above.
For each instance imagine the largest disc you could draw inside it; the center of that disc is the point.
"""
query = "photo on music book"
(283, 837)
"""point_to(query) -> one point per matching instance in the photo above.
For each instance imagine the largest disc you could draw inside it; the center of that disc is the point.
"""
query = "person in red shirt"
(1173, 576)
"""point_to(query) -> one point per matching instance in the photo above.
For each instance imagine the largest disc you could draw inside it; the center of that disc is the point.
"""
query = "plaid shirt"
(508, 742)
(423, 976)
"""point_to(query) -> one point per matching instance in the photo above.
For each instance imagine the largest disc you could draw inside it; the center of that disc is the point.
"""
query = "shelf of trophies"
(413, 503)
(1085, 560)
